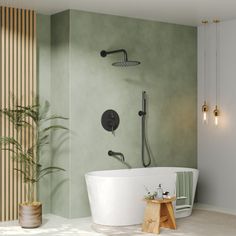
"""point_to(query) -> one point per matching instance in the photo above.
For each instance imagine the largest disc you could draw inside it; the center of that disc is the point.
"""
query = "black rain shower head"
(125, 61)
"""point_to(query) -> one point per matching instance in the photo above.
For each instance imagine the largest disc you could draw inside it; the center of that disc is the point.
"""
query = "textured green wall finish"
(84, 85)
(44, 78)
(60, 100)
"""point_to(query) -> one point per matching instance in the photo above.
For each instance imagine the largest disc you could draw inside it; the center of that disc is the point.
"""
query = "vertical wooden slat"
(34, 83)
(0, 116)
(15, 94)
(18, 77)
(30, 79)
(6, 119)
(11, 81)
(19, 61)
(26, 81)
(2, 104)
(23, 87)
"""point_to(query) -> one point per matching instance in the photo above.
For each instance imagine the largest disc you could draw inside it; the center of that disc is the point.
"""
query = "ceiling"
(186, 12)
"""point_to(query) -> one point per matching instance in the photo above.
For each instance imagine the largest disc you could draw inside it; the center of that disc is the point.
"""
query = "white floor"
(201, 223)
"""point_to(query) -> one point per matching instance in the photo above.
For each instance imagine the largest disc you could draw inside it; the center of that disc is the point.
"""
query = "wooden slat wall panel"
(18, 78)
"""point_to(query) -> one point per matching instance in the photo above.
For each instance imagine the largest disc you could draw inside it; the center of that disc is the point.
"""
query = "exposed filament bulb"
(204, 112)
(216, 115)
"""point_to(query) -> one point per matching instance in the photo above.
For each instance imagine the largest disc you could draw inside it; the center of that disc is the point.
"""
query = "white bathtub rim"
(97, 173)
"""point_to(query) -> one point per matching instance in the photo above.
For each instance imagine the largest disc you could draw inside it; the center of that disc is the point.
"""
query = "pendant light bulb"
(216, 116)
(204, 112)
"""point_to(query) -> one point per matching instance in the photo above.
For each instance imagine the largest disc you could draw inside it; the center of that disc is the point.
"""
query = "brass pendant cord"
(204, 89)
(216, 111)
(204, 106)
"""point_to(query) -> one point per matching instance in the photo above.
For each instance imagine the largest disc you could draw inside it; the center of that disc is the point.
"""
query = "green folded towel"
(184, 189)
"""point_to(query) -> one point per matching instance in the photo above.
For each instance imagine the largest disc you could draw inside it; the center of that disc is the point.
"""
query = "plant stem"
(31, 187)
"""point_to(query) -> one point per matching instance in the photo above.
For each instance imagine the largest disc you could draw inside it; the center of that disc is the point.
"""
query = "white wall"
(217, 145)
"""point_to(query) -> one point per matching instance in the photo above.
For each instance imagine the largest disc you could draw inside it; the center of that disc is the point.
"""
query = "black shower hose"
(145, 144)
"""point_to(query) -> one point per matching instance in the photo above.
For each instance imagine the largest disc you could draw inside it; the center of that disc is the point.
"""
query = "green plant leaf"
(43, 139)
(25, 158)
(10, 141)
(23, 123)
(56, 117)
(30, 151)
(55, 127)
(52, 168)
(34, 117)
(28, 111)
(48, 170)
(27, 177)
(19, 115)
(44, 110)
(9, 149)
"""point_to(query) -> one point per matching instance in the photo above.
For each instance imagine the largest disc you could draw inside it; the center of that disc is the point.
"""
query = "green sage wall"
(61, 105)
(53, 72)
(84, 85)
(44, 90)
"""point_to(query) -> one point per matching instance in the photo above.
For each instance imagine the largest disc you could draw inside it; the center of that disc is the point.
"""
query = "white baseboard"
(213, 208)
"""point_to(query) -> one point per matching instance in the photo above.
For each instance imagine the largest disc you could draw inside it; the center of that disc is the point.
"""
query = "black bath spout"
(111, 153)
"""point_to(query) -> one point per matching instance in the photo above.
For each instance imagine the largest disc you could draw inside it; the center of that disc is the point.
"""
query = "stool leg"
(167, 210)
(151, 223)
(171, 215)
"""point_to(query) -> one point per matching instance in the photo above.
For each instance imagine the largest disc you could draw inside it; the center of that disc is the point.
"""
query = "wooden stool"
(159, 213)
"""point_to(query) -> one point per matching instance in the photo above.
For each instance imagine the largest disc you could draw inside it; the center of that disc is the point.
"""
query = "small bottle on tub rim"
(159, 195)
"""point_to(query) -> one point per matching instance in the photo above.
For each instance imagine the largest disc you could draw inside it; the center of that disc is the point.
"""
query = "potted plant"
(33, 120)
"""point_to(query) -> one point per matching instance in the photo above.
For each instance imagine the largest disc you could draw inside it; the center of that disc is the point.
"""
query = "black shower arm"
(105, 53)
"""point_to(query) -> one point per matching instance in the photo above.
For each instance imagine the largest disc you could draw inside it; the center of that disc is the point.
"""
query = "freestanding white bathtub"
(116, 196)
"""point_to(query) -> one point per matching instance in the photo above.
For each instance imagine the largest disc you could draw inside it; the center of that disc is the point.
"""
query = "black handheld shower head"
(144, 98)
(143, 113)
